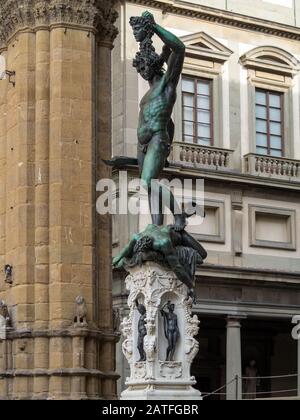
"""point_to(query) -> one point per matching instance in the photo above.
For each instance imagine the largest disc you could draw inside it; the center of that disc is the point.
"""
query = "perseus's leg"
(159, 195)
(174, 342)
(169, 349)
(141, 157)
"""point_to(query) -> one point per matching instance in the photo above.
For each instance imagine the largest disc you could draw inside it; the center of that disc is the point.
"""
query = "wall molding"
(289, 215)
(223, 17)
(219, 238)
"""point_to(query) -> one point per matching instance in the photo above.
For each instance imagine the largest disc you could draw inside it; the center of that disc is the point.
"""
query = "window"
(269, 123)
(197, 111)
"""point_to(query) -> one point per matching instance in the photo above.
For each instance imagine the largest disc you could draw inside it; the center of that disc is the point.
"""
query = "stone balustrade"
(273, 167)
(201, 156)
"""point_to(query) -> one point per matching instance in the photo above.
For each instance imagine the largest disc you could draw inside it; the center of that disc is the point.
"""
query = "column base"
(162, 392)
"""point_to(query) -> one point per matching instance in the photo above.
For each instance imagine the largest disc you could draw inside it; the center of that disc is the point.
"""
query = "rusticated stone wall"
(54, 131)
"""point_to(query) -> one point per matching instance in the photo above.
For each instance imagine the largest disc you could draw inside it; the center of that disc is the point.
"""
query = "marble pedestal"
(156, 379)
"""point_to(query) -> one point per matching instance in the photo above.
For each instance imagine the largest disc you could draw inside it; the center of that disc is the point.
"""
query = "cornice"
(97, 334)
(97, 16)
(230, 177)
(223, 17)
(25, 373)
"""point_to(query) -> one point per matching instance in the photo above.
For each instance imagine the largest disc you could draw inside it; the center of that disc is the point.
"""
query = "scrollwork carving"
(127, 346)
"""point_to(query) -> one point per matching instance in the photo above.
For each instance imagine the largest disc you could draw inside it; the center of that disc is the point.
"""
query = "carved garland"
(95, 15)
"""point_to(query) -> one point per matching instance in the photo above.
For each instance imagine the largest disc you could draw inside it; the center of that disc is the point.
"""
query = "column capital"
(98, 16)
(234, 320)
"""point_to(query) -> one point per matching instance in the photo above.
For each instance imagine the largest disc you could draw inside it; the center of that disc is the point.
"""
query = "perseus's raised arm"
(170, 40)
(175, 45)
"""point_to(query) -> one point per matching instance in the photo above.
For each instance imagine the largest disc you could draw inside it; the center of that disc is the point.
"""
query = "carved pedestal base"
(156, 378)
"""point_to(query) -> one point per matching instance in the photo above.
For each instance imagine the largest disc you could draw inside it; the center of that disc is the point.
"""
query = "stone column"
(41, 291)
(3, 151)
(20, 205)
(103, 148)
(47, 196)
(103, 291)
(234, 358)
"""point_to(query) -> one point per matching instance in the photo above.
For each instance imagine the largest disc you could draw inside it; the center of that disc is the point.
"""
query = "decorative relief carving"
(8, 270)
(170, 370)
(97, 15)
(191, 349)
(127, 345)
(150, 344)
(80, 316)
(139, 370)
(156, 284)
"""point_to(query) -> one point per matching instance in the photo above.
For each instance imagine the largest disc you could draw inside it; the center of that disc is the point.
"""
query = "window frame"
(195, 122)
(267, 92)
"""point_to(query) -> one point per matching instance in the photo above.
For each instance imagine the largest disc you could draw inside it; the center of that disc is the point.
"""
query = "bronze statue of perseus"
(155, 128)
(167, 245)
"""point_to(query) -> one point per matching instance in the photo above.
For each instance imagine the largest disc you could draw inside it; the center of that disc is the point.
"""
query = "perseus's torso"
(155, 113)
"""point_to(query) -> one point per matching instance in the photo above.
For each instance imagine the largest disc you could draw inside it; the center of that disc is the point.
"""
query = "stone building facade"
(55, 127)
(237, 127)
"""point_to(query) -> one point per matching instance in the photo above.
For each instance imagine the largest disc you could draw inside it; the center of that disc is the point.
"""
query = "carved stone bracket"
(98, 16)
(154, 286)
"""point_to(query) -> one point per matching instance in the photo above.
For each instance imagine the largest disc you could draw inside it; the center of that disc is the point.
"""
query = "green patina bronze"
(165, 245)
(155, 128)
(170, 245)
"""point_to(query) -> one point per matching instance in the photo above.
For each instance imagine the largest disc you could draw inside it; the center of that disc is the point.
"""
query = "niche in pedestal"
(163, 341)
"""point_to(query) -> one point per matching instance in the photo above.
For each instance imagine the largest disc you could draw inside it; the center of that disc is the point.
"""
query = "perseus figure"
(171, 329)
(142, 331)
(155, 127)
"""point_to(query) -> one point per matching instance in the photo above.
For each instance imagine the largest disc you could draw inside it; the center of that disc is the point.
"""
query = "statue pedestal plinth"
(155, 378)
